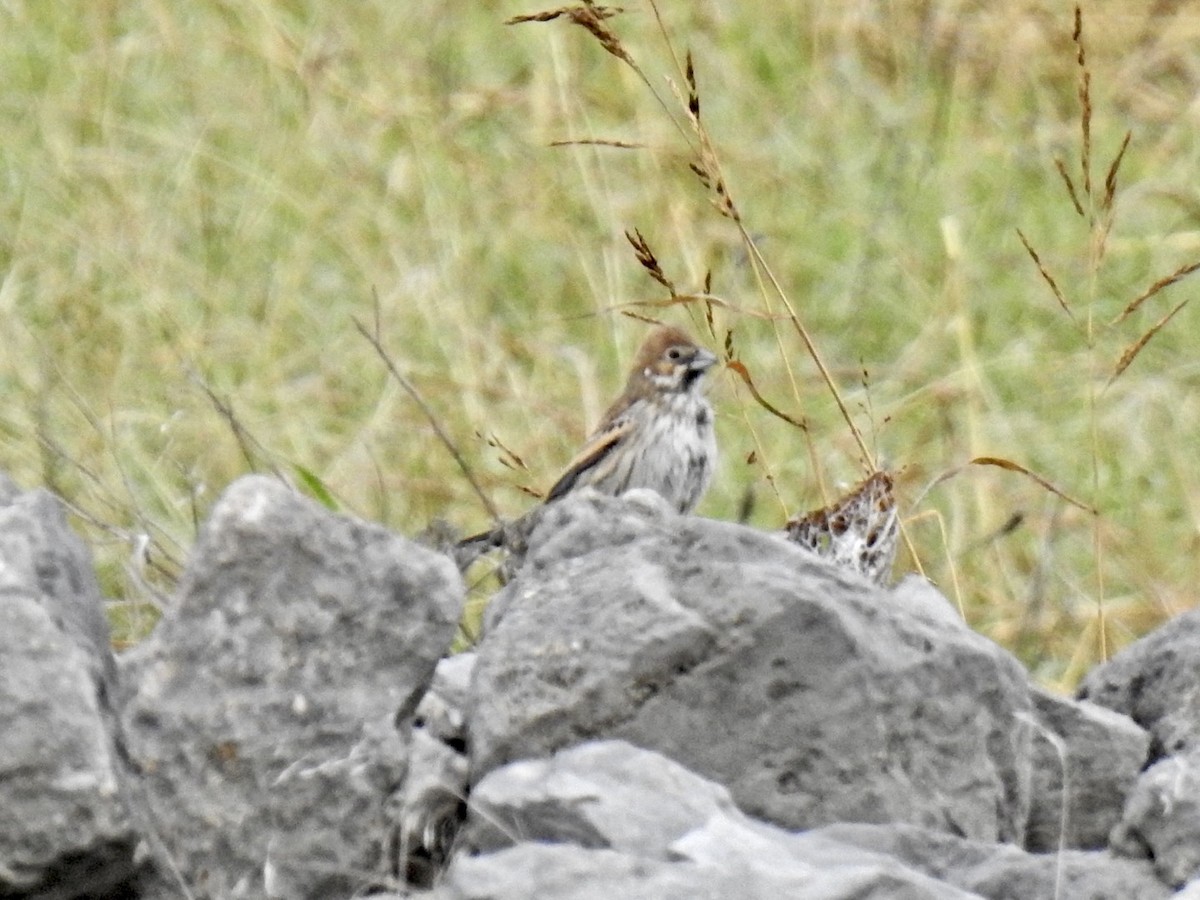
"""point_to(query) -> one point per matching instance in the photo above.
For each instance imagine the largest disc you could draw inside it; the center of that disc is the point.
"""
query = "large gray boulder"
(65, 831)
(654, 697)
(628, 822)
(1161, 821)
(720, 862)
(1154, 682)
(1085, 761)
(805, 690)
(268, 713)
(634, 803)
(600, 794)
(1002, 871)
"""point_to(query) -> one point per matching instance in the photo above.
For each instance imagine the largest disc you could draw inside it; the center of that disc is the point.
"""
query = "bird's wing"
(594, 452)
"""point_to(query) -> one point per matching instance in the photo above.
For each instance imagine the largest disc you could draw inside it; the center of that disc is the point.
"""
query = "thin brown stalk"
(1097, 522)
(509, 457)
(638, 317)
(760, 455)
(376, 341)
(591, 18)
(1162, 283)
(708, 169)
(708, 305)
(950, 566)
(599, 142)
(709, 301)
(1134, 349)
(693, 103)
(1069, 182)
(1009, 465)
(1108, 202)
(647, 260)
(105, 497)
(252, 449)
(1046, 276)
(1085, 102)
(760, 266)
(600, 12)
(744, 373)
(662, 30)
(1110, 180)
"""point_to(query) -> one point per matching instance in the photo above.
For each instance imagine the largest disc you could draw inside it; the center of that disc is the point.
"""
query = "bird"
(658, 434)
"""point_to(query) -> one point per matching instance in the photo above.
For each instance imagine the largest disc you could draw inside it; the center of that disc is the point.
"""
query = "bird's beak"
(702, 361)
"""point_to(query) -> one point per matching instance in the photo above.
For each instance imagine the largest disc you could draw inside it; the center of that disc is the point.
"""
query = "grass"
(200, 200)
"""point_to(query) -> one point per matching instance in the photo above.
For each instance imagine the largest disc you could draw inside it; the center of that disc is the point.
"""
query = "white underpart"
(667, 455)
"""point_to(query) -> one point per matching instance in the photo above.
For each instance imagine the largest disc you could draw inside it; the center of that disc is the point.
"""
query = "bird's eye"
(674, 353)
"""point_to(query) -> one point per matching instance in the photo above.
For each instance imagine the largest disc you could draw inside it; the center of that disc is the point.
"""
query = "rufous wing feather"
(593, 454)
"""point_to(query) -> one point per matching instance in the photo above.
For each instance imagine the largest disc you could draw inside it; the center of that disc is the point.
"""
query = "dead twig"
(375, 340)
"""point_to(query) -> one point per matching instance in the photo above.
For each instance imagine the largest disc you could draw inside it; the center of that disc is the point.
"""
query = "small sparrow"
(658, 435)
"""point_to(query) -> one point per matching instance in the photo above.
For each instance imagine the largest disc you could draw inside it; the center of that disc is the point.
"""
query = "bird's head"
(669, 360)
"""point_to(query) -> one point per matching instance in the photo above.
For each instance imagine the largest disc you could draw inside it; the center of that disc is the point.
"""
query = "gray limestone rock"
(269, 711)
(601, 794)
(919, 597)
(630, 822)
(40, 551)
(65, 831)
(1089, 755)
(1162, 819)
(1154, 682)
(805, 690)
(654, 695)
(612, 796)
(1002, 871)
(710, 865)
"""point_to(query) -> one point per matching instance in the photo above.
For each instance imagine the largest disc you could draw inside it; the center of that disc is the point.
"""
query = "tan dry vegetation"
(200, 200)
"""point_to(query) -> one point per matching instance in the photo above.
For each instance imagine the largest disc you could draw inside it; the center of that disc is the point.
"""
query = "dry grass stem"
(1162, 283)
(508, 457)
(1085, 103)
(1069, 182)
(648, 261)
(944, 542)
(693, 100)
(599, 142)
(591, 18)
(587, 15)
(252, 449)
(706, 165)
(1010, 466)
(1046, 276)
(1107, 206)
(639, 317)
(761, 268)
(376, 342)
(1133, 350)
(1110, 180)
(744, 373)
(710, 302)
(589, 9)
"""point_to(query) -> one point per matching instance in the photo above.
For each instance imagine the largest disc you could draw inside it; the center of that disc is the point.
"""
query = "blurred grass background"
(199, 198)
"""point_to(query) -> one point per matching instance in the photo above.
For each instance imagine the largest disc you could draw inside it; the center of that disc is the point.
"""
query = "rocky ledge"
(660, 706)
